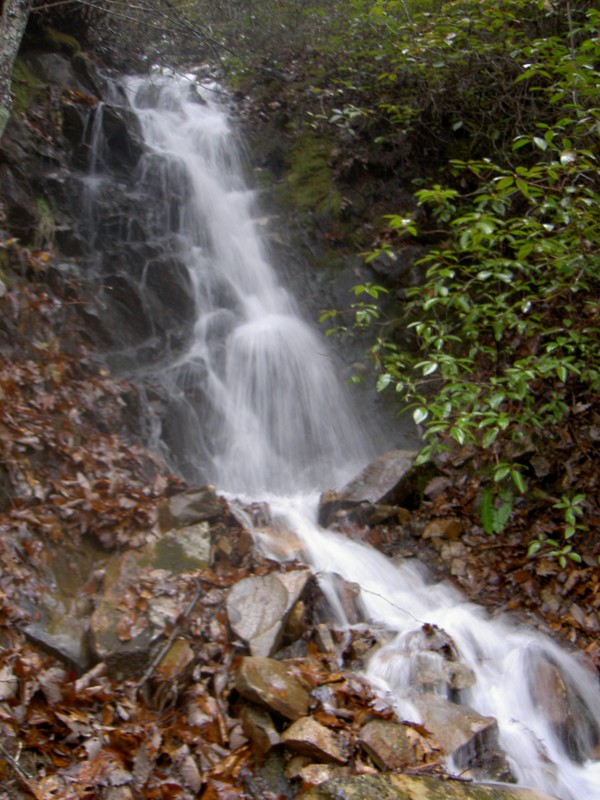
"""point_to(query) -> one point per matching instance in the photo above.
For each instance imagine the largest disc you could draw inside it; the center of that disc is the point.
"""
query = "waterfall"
(263, 406)
(262, 414)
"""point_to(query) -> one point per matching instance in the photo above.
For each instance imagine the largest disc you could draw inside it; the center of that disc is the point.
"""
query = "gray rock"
(258, 608)
(389, 481)
(190, 507)
(470, 738)
(270, 684)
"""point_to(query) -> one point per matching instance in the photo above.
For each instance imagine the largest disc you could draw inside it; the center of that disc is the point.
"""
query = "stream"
(263, 413)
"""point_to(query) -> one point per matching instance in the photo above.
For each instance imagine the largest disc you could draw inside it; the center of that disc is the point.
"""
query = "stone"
(177, 552)
(410, 787)
(556, 696)
(175, 662)
(259, 728)
(259, 608)
(314, 774)
(445, 527)
(123, 136)
(390, 480)
(308, 737)
(270, 684)
(468, 737)
(190, 507)
(396, 747)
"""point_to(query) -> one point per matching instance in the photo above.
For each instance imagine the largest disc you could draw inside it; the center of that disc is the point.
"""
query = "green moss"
(61, 42)
(310, 180)
(25, 87)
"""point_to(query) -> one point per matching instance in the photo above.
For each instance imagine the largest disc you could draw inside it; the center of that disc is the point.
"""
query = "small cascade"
(254, 406)
(546, 702)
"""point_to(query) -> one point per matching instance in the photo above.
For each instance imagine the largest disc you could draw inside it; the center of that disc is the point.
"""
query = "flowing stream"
(268, 418)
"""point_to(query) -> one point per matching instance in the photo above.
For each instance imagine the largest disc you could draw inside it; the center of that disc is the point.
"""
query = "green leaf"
(420, 415)
(518, 480)
(501, 472)
(534, 547)
(383, 381)
(458, 434)
(489, 437)
(487, 511)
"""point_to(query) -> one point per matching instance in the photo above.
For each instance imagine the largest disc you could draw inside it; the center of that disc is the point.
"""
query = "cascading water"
(266, 417)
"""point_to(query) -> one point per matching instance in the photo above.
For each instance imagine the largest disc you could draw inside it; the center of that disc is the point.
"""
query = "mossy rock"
(61, 42)
(25, 86)
(406, 787)
(310, 180)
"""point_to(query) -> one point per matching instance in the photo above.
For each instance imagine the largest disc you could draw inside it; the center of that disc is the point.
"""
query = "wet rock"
(409, 787)
(567, 713)
(388, 481)
(123, 657)
(175, 553)
(18, 201)
(259, 728)
(340, 599)
(396, 747)
(270, 684)
(85, 70)
(258, 608)
(123, 136)
(429, 659)
(190, 507)
(469, 738)
(308, 737)
(67, 642)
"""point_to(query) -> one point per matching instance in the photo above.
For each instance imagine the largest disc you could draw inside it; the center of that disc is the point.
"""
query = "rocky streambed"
(195, 662)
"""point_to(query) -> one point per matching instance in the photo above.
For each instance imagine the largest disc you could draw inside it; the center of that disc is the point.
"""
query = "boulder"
(175, 553)
(468, 737)
(409, 787)
(123, 136)
(391, 480)
(270, 684)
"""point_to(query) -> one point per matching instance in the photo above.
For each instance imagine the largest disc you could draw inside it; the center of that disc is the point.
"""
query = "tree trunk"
(13, 21)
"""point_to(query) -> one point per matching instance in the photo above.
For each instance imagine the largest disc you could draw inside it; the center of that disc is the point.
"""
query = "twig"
(23, 777)
(164, 650)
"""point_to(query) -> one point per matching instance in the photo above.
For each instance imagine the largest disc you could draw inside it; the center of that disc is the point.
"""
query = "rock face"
(139, 290)
(407, 787)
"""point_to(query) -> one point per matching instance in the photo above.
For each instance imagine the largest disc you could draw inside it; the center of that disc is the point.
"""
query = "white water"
(280, 427)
